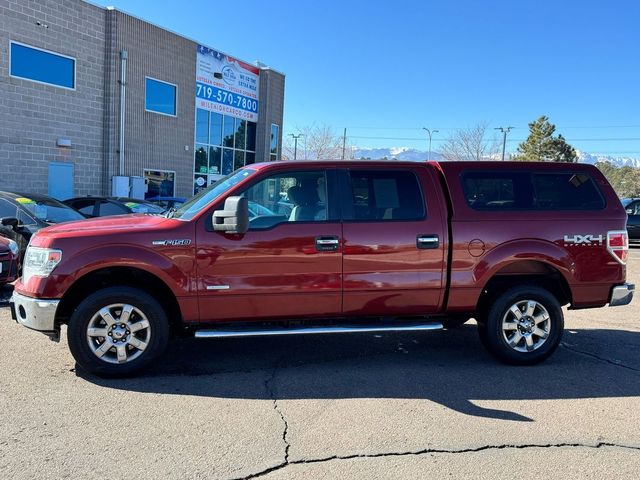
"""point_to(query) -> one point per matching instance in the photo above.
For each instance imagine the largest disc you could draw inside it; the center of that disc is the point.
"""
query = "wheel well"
(525, 272)
(119, 276)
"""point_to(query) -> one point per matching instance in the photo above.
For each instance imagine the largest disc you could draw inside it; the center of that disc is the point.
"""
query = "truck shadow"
(447, 367)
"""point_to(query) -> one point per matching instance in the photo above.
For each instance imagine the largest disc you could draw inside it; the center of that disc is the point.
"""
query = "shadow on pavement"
(447, 367)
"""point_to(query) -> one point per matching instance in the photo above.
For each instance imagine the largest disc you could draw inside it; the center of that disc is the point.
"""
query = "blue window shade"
(40, 66)
(160, 97)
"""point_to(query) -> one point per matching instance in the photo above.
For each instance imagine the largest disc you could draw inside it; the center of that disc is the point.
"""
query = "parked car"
(9, 260)
(23, 214)
(106, 206)
(167, 202)
(368, 247)
(632, 206)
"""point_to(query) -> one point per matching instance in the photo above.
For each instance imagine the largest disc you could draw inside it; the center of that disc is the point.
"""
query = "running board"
(219, 333)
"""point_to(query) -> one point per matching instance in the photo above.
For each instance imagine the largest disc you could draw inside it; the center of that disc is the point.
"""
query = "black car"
(23, 214)
(632, 206)
(106, 206)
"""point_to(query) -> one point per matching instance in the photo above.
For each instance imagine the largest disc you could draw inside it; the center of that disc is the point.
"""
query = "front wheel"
(524, 325)
(117, 331)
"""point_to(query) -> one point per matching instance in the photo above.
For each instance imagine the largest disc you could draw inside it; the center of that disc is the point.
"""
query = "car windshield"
(49, 210)
(203, 198)
(138, 206)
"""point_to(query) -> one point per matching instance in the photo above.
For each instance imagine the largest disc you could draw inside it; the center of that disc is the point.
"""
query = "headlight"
(39, 262)
(13, 246)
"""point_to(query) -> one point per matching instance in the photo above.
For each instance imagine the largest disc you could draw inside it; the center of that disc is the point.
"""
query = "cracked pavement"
(423, 405)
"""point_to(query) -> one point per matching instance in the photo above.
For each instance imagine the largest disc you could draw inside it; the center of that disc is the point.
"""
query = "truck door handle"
(327, 244)
(427, 241)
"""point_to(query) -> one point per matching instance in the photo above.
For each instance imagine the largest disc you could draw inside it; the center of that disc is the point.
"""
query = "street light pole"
(430, 132)
(504, 131)
(295, 144)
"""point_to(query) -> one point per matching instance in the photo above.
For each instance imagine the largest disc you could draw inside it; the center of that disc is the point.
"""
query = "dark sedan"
(632, 206)
(23, 214)
(106, 206)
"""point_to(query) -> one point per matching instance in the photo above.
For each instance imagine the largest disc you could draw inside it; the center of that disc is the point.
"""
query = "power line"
(627, 139)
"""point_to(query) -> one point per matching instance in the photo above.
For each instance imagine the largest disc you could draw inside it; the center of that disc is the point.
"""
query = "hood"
(108, 225)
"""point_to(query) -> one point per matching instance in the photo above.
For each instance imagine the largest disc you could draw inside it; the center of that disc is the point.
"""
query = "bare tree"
(471, 144)
(318, 142)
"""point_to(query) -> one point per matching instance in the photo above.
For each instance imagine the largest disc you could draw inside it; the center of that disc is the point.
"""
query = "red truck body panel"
(377, 268)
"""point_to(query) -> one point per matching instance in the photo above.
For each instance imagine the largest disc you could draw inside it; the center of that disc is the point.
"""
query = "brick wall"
(32, 115)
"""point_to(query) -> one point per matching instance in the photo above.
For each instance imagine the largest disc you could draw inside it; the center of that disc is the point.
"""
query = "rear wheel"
(523, 326)
(117, 331)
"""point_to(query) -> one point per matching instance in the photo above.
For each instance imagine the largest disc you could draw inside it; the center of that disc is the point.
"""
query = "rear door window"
(384, 195)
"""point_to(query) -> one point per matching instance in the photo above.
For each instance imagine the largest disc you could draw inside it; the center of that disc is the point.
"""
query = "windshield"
(203, 198)
(144, 207)
(49, 210)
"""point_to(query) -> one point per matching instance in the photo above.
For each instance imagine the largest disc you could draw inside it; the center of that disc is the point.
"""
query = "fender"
(524, 249)
(170, 264)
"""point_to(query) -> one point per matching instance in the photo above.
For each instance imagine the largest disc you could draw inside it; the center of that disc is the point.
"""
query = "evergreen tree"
(542, 146)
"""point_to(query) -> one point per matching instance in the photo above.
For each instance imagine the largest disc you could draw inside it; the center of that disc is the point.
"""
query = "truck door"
(395, 239)
(289, 263)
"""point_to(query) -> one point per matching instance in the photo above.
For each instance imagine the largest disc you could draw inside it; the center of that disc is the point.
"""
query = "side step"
(257, 332)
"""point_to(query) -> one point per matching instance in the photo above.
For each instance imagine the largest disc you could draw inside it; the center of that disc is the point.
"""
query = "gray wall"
(270, 111)
(32, 115)
(152, 140)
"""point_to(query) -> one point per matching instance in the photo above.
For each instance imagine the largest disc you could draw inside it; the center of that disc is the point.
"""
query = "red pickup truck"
(322, 247)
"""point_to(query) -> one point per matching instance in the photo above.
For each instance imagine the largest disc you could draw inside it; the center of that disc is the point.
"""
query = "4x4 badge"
(584, 239)
(172, 243)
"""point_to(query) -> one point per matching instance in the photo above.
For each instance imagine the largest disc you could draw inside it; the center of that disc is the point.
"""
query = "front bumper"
(36, 314)
(621, 295)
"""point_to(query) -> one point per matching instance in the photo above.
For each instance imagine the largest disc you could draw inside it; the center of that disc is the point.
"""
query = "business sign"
(226, 85)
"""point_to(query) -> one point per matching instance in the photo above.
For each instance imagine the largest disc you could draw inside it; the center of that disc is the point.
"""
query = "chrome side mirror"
(234, 218)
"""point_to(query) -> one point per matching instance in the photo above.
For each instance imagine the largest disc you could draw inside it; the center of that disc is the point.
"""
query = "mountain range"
(414, 155)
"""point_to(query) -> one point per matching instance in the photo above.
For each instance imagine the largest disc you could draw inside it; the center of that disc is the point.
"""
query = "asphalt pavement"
(411, 405)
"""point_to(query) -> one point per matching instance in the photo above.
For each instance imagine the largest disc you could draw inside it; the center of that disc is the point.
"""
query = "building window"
(160, 183)
(42, 66)
(160, 97)
(275, 136)
(222, 144)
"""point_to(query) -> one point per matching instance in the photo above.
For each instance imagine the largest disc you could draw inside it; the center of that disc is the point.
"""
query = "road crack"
(598, 357)
(428, 451)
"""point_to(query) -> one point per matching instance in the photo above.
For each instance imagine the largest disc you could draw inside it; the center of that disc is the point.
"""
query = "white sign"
(226, 85)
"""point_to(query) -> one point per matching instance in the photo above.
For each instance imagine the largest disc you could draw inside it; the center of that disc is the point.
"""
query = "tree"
(624, 180)
(470, 144)
(318, 142)
(542, 146)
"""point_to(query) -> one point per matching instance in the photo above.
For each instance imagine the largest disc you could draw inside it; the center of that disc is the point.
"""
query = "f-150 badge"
(584, 239)
(172, 243)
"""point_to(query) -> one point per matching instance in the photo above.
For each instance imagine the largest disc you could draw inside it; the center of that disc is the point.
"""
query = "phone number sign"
(226, 85)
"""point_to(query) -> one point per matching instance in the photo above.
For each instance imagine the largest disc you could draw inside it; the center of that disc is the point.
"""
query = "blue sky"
(386, 69)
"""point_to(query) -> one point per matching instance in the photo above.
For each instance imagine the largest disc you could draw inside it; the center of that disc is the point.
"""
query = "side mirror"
(234, 218)
(630, 211)
(10, 222)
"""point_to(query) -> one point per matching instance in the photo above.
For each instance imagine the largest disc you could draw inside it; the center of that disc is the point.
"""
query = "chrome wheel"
(526, 326)
(118, 333)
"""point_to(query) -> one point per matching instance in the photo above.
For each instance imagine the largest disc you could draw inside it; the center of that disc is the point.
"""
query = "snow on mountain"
(584, 157)
(397, 153)
(414, 155)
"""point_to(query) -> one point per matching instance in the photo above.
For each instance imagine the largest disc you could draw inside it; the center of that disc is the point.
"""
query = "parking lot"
(342, 406)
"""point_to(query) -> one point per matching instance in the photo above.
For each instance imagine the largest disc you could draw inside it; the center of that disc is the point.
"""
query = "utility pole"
(504, 131)
(430, 132)
(295, 144)
(344, 142)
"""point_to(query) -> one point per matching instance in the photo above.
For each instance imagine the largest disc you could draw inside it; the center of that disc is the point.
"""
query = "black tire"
(526, 351)
(153, 338)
